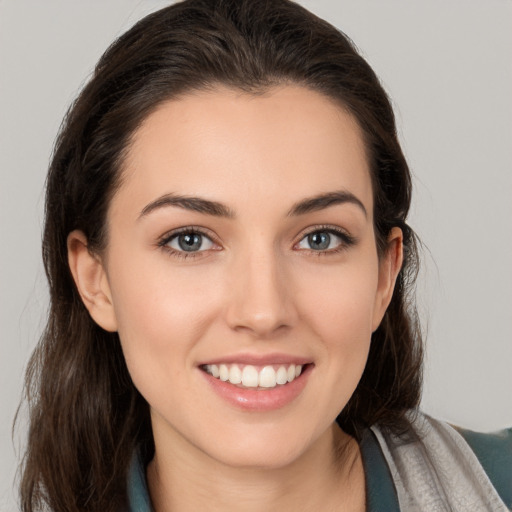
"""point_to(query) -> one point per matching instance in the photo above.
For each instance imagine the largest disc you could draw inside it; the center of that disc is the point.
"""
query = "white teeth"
(223, 372)
(251, 377)
(213, 369)
(267, 377)
(235, 375)
(282, 375)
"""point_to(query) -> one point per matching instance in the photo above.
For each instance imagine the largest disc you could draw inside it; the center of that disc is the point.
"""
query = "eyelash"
(347, 241)
(187, 230)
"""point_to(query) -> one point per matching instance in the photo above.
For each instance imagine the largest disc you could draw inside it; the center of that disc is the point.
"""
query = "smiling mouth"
(254, 377)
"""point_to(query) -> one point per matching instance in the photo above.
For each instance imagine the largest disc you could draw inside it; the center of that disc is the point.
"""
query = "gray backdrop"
(447, 65)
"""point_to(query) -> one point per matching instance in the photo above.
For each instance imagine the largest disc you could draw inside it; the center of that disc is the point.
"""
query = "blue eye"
(324, 240)
(189, 242)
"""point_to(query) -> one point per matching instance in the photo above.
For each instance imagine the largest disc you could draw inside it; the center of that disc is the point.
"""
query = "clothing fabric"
(434, 467)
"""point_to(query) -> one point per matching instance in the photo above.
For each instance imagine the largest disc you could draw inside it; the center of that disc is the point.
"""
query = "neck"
(327, 476)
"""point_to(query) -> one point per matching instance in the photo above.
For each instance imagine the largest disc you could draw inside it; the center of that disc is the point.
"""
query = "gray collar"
(433, 468)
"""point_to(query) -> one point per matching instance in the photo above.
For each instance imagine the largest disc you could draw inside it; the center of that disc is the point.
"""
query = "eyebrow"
(322, 201)
(216, 209)
(196, 204)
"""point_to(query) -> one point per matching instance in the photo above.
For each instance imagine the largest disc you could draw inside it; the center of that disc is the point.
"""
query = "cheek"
(161, 313)
(338, 306)
(339, 302)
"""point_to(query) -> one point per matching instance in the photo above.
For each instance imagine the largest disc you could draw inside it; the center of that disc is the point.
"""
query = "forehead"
(243, 149)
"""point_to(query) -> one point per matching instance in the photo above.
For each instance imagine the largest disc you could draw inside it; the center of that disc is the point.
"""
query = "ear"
(389, 267)
(91, 281)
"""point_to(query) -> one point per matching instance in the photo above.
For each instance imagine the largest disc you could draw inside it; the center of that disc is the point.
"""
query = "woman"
(230, 267)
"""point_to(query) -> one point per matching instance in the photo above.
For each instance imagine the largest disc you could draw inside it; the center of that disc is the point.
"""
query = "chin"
(269, 448)
(272, 456)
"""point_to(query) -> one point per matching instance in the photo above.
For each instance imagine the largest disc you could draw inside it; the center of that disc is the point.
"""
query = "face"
(241, 247)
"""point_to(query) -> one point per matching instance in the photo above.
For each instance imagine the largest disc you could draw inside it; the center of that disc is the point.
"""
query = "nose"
(260, 296)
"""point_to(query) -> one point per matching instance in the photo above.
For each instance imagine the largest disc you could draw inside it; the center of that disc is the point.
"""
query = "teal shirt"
(494, 452)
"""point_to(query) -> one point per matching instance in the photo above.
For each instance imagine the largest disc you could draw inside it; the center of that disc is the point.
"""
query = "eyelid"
(186, 229)
(164, 240)
(346, 238)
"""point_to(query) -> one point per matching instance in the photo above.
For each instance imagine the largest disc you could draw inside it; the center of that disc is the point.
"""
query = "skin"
(257, 288)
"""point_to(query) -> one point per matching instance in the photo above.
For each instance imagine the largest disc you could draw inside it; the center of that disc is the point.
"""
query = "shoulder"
(434, 461)
(494, 452)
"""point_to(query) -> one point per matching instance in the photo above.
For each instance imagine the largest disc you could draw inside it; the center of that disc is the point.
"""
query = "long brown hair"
(86, 417)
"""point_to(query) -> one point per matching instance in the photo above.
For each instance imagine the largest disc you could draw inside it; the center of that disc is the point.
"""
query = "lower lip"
(259, 400)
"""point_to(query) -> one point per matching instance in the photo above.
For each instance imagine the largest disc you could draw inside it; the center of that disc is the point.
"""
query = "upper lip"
(258, 359)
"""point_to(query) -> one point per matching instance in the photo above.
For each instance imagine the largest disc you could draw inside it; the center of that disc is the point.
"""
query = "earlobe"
(91, 281)
(389, 267)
